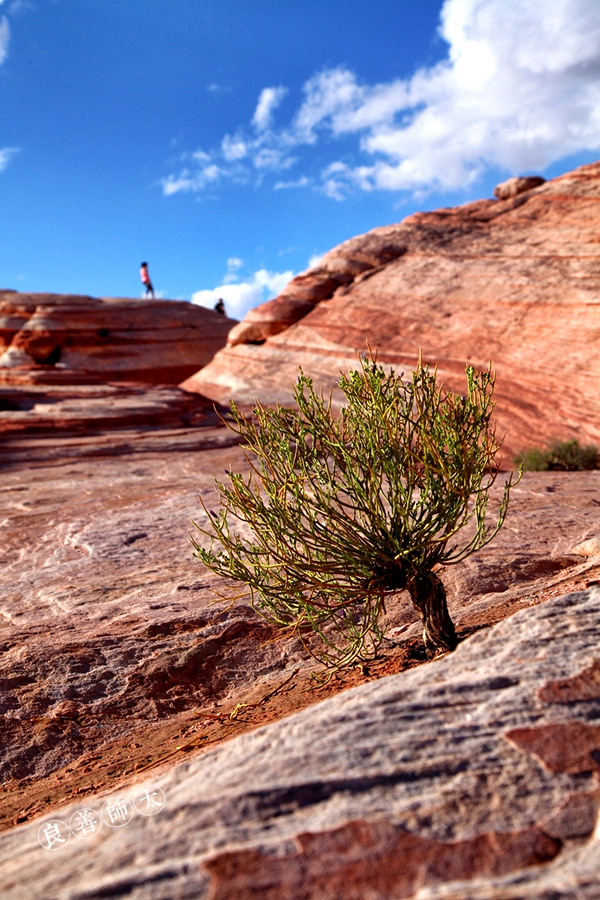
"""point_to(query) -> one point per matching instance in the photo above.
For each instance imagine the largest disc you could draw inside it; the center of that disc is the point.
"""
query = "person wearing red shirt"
(146, 280)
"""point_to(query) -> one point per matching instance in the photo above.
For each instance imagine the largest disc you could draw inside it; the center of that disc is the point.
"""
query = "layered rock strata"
(94, 409)
(109, 629)
(64, 338)
(515, 281)
(475, 775)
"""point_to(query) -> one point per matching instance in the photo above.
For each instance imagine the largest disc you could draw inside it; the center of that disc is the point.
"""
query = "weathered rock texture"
(64, 338)
(111, 643)
(515, 186)
(515, 281)
(82, 409)
(473, 776)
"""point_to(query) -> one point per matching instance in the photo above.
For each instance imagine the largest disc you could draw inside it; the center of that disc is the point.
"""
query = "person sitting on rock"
(146, 280)
(220, 307)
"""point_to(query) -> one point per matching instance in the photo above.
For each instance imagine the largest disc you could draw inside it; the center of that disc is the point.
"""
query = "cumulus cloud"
(6, 155)
(242, 295)
(518, 90)
(268, 101)
(4, 38)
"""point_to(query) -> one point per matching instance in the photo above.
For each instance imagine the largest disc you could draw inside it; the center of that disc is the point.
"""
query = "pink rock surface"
(80, 409)
(515, 186)
(67, 338)
(514, 281)
(422, 785)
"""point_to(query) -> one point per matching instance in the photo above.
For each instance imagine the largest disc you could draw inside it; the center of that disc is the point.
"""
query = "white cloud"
(268, 101)
(299, 182)
(233, 264)
(519, 89)
(241, 296)
(19, 7)
(206, 173)
(4, 38)
(6, 155)
(215, 88)
(233, 147)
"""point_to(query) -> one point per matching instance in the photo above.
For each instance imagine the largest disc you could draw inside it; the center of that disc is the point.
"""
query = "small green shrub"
(565, 456)
(346, 508)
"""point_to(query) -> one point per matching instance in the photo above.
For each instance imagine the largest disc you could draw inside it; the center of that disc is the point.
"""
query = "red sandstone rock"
(300, 296)
(572, 747)
(69, 338)
(516, 281)
(80, 409)
(515, 186)
(371, 859)
(405, 787)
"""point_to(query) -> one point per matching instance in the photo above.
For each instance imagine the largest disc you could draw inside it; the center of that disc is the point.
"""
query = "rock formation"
(96, 408)
(515, 281)
(475, 776)
(69, 339)
(113, 650)
(515, 186)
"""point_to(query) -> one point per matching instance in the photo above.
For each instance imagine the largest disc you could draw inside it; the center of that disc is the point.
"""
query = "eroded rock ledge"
(357, 259)
(475, 775)
(72, 339)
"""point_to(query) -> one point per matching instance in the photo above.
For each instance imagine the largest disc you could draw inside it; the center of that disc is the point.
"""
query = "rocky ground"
(475, 775)
(74, 339)
(116, 660)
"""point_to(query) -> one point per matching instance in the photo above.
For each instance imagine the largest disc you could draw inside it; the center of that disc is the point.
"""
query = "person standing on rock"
(146, 280)
(220, 307)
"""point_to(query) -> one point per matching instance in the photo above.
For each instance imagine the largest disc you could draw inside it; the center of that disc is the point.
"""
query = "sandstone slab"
(109, 629)
(475, 775)
(64, 338)
(514, 186)
(83, 409)
(515, 281)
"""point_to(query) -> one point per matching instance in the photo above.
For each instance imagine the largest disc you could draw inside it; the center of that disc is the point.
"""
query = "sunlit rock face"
(514, 186)
(72, 339)
(515, 281)
(473, 776)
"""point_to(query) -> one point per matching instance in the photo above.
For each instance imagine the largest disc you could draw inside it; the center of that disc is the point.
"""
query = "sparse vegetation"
(565, 456)
(346, 508)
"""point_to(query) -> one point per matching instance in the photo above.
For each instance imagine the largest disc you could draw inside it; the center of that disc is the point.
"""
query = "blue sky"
(231, 142)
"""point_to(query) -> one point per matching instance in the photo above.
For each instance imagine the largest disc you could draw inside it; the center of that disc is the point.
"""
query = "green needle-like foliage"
(345, 508)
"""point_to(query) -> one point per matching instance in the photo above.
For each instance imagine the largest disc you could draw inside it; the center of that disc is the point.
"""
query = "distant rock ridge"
(513, 280)
(515, 186)
(75, 339)
(343, 266)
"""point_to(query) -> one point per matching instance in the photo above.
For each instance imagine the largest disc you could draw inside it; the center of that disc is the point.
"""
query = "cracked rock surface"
(437, 782)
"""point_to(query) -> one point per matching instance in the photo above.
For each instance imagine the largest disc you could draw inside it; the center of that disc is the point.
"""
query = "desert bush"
(346, 508)
(566, 456)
